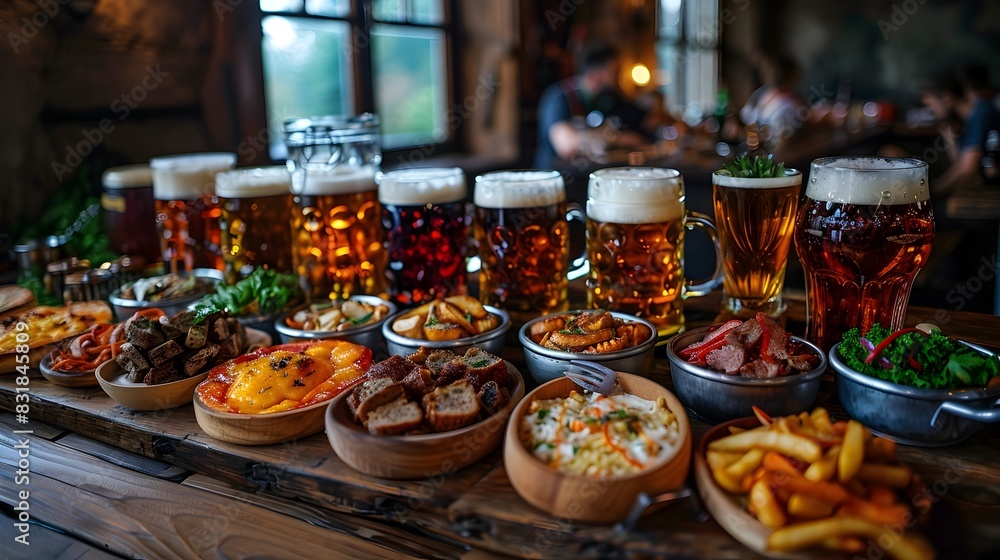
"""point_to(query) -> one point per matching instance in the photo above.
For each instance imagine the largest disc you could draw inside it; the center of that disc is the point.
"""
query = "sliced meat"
(760, 369)
(727, 359)
(802, 362)
(774, 337)
(396, 368)
(748, 333)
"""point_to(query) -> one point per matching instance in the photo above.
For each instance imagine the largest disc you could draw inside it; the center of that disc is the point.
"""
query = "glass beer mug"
(636, 221)
(423, 211)
(256, 215)
(337, 230)
(187, 209)
(522, 230)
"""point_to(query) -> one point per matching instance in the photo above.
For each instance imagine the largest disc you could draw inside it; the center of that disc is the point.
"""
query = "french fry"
(766, 505)
(850, 545)
(893, 476)
(888, 515)
(880, 449)
(736, 430)
(812, 533)
(852, 451)
(765, 418)
(789, 444)
(825, 468)
(826, 491)
(777, 462)
(721, 459)
(746, 464)
(468, 304)
(749, 480)
(808, 507)
(726, 481)
(881, 495)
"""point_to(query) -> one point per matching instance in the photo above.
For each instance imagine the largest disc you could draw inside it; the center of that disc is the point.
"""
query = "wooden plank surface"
(138, 516)
(46, 543)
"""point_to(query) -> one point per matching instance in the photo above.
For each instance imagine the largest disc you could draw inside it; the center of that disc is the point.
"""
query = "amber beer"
(427, 229)
(755, 218)
(337, 232)
(187, 209)
(256, 219)
(862, 234)
(635, 242)
(522, 232)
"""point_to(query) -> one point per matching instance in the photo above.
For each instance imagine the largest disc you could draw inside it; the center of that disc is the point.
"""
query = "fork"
(593, 377)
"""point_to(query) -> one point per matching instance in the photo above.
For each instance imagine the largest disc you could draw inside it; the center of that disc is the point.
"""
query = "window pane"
(700, 81)
(670, 20)
(280, 5)
(668, 74)
(307, 71)
(411, 84)
(389, 10)
(702, 21)
(430, 12)
(332, 8)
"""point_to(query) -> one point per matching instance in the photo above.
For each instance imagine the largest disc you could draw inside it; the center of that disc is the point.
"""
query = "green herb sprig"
(262, 293)
(946, 363)
(755, 168)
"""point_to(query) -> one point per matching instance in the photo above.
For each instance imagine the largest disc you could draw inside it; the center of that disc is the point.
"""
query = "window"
(336, 57)
(687, 51)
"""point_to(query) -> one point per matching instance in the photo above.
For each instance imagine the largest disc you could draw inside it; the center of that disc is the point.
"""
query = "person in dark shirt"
(590, 97)
(952, 99)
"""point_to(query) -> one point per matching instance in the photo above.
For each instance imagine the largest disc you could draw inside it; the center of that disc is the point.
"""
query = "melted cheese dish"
(597, 435)
(285, 377)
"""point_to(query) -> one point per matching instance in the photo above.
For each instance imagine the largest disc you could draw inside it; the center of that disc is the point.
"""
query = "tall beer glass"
(635, 242)
(256, 219)
(862, 234)
(755, 218)
(337, 220)
(522, 230)
(187, 209)
(423, 213)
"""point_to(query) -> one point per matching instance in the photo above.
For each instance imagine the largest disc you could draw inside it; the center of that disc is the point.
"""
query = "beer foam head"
(188, 176)
(253, 182)
(323, 180)
(724, 179)
(414, 187)
(519, 189)
(868, 180)
(635, 195)
(127, 177)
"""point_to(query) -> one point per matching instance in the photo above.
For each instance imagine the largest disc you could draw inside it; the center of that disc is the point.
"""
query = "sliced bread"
(395, 417)
(483, 367)
(372, 394)
(451, 406)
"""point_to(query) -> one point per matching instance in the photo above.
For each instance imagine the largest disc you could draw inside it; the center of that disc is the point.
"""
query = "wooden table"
(107, 481)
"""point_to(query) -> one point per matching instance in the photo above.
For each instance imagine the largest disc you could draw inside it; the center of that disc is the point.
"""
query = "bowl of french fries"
(454, 323)
(802, 483)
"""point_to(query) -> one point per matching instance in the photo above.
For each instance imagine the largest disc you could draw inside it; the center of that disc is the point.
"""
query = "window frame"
(361, 20)
(685, 41)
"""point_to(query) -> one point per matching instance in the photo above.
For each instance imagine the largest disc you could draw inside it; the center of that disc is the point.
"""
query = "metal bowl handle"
(985, 415)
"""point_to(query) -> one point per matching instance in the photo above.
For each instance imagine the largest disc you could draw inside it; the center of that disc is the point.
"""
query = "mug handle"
(691, 289)
(575, 212)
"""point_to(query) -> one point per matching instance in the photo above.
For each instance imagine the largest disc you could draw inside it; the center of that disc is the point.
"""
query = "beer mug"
(256, 220)
(130, 214)
(635, 242)
(337, 231)
(755, 218)
(522, 231)
(862, 234)
(427, 229)
(187, 209)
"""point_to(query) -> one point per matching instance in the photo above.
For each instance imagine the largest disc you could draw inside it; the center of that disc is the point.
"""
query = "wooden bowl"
(260, 429)
(77, 379)
(417, 456)
(139, 396)
(584, 498)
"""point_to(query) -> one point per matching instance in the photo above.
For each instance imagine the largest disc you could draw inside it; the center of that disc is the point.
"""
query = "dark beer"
(863, 233)
(427, 229)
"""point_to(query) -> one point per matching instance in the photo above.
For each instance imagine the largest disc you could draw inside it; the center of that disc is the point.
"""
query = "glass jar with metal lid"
(338, 240)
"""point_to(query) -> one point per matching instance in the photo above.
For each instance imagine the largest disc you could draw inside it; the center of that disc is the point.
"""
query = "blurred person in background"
(592, 95)
(775, 105)
(965, 119)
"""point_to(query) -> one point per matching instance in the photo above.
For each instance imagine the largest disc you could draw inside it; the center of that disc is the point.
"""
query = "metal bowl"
(368, 335)
(546, 364)
(125, 308)
(913, 416)
(491, 341)
(717, 397)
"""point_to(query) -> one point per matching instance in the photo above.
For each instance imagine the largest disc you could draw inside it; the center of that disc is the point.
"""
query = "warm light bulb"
(640, 74)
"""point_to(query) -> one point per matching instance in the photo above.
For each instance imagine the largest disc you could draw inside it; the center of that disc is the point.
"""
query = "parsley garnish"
(543, 413)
